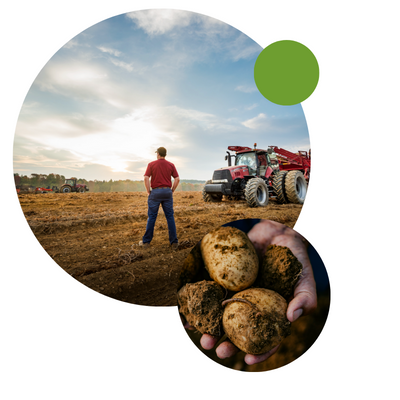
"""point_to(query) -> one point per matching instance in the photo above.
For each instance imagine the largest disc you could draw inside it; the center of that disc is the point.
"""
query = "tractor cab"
(257, 160)
(71, 182)
(248, 159)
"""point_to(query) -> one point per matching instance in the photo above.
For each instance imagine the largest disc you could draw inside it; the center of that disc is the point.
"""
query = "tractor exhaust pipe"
(228, 157)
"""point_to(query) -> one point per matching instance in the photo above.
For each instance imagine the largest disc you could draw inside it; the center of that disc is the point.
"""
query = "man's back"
(160, 172)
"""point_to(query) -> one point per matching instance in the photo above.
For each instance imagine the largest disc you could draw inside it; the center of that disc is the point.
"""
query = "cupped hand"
(269, 232)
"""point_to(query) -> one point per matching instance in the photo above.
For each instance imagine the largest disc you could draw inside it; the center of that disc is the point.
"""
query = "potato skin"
(257, 327)
(192, 264)
(230, 258)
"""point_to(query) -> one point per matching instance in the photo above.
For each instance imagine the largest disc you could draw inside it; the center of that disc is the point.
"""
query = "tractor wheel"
(256, 193)
(82, 190)
(278, 184)
(66, 189)
(296, 187)
(211, 197)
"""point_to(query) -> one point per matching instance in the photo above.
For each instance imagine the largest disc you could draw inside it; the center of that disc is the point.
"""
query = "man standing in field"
(160, 172)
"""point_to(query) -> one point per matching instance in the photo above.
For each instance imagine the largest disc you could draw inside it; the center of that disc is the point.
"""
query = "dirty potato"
(192, 264)
(201, 304)
(230, 258)
(255, 320)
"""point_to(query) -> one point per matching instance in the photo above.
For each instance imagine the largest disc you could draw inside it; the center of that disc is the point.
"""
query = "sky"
(117, 91)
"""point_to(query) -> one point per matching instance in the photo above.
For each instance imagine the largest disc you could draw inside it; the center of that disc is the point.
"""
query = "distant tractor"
(258, 174)
(70, 185)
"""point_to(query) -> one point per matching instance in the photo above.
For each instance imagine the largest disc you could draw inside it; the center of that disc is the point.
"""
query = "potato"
(255, 320)
(192, 264)
(230, 258)
(201, 304)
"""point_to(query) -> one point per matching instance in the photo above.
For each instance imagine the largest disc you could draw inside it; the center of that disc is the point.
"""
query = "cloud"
(29, 157)
(72, 43)
(249, 108)
(284, 128)
(90, 84)
(246, 88)
(257, 122)
(108, 50)
(116, 53)
(77, 78)
(42, 127)
(158, 22)
(122, 64)
(196, 31)
(244, 48)
(185, 123)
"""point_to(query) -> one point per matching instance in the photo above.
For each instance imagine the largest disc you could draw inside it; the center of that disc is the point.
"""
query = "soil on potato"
(279, 271)
(200, 304)
(255, 320)
(94, 237)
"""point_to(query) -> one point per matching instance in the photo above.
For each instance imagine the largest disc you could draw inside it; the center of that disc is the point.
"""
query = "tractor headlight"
(220, 181)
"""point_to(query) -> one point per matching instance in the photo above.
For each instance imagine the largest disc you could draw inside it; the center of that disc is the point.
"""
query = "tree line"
(96, 186)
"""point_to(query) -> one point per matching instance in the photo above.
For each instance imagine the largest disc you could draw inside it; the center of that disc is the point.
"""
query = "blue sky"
(115, 92)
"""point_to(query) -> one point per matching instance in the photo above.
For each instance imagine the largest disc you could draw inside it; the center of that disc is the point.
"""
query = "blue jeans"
(163, 197)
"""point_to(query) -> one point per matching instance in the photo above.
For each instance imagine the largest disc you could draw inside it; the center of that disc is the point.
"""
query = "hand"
(305, 294)
(227, 349)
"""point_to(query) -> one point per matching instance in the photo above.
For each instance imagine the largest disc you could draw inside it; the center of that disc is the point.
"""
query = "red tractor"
(70, 185)
(258, 174)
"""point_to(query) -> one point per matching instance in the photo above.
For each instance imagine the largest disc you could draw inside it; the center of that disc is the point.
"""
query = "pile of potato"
(237, 293)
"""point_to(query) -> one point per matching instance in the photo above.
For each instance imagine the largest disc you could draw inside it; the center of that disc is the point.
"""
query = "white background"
(61, 340)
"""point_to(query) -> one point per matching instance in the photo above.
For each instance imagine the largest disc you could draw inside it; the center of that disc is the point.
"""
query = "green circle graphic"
(286, 72)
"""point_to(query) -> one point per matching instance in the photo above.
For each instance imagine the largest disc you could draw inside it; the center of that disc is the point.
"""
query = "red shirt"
(160, 172)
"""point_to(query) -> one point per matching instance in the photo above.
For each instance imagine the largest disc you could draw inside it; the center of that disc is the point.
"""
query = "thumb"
(302, 304)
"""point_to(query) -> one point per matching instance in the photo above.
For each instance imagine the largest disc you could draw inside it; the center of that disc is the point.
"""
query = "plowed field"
(94, 237)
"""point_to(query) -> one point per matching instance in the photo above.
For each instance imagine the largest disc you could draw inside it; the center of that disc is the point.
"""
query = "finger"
(251, 359)
(302, 304)
(260, 242)
(305, 295)
(226, 349)
(208, 342)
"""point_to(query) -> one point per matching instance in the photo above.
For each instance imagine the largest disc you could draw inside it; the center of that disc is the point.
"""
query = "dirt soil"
(94, 237)
(279, 271)
(200, 304)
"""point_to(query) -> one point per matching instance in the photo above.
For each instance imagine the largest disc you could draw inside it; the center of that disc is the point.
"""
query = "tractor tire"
(211, 197)
(278, 184)
(66, 189)
(256, 193)
(296, 187)
(82, 190)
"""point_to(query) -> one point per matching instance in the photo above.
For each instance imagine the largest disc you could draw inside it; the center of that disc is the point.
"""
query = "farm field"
(94, 237)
